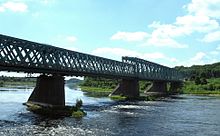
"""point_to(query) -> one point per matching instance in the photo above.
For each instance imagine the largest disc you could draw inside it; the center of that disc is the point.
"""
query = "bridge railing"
(153, 71)
(22, 55)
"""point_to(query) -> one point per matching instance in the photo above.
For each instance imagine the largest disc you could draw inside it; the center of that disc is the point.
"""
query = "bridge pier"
(158, 87)
(175, 87)
(49, 91)
(128, 88)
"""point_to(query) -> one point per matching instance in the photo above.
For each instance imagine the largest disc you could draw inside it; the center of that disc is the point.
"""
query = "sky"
(169, 32)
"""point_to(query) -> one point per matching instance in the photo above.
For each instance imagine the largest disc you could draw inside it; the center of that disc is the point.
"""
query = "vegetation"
(102, 87)
(98, 87)
(202, 79)
(209, 87)
(73, 83)
(16, 81)
(58, 111)
(204, 71)
(118, 97)
(98, 82)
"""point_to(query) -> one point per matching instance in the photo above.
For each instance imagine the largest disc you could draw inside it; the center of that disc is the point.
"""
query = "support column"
(49, 91)
(128, 88)
(175, 87)
(158, 87)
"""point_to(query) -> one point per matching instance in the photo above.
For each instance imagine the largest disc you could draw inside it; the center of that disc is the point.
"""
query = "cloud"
(160, 38)
(198, 57)
(71, 39)
(212, 37)
(196, 23)
(13, 6)
(118, 52)
(201, 58)
(115, 51)
(210, 8)
(214, 53)
(130, 36)
(218, 48)
(201, 18)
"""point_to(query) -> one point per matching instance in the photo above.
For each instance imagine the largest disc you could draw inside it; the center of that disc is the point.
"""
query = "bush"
(1, 84)
(203, 81)
(78, 114)
(197, 81)
(79, 104)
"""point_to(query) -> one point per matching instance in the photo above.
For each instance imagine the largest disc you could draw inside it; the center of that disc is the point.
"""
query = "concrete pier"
(128, 88)
(175, 87)
(158, 87)
(49, 91)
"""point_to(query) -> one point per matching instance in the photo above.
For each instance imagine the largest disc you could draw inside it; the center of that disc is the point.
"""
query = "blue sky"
(169, 32)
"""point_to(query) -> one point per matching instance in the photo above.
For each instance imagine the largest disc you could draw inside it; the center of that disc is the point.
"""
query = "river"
(182, 115)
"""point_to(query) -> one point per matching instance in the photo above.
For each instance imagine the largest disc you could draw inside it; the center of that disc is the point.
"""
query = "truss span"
(25, 56)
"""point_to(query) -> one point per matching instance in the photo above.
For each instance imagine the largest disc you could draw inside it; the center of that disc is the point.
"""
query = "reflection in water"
(179, 116)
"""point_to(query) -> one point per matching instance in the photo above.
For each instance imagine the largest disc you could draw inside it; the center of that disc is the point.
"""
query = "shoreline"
(97, 90)
(104, 92)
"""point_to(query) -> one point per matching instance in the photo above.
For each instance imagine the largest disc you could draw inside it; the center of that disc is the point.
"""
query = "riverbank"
(211, 88)
(14, 82)
(104, 92)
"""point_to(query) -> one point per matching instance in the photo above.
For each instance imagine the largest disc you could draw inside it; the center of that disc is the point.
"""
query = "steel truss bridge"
(20, 55)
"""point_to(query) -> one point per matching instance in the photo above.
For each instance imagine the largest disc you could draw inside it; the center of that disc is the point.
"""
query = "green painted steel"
(25, 56)
(153, 71)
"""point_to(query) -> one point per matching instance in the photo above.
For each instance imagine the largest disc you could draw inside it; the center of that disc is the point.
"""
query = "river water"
(182, 115)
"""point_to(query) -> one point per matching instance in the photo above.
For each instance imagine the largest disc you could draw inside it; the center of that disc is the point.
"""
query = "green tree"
(197, 80)
(79, 104)
(203, 81)
(1, 84)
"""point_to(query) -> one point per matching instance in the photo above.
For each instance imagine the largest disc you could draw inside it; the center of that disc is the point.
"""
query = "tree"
(197, 80)
(203, 81)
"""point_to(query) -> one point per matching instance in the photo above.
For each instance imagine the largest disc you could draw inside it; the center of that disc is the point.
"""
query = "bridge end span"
(49, 91)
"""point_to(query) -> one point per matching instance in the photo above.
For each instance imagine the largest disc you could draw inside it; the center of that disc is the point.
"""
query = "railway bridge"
(53, 63)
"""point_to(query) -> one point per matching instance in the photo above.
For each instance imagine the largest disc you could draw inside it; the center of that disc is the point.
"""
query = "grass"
(118, 97)
(96, 91)
(211, 88)
(10, 84)
(78, 114)
(57, 111)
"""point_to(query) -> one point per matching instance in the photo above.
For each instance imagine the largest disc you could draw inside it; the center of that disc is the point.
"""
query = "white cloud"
(214, 53)
(106, 52)
(201, 58)
(130, 36)
(115, 51)
(13, 6)
(71, 39)
(210, 8)
(2, 9)
(196, 23)
(218, 48)
(212, 37)
(193, 22)
(165, 34)
(201, 18)
(198, 57)
(158, 38)
(46, 2)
